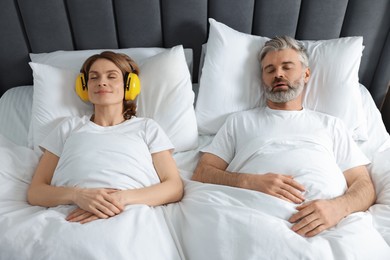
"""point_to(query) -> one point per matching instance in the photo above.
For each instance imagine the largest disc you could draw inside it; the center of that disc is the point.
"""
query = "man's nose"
(279, 73)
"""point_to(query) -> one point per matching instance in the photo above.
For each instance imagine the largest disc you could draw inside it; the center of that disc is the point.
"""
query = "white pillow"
(54, 99)
(230, 80)
(166, 96)
(333, 87)
(378, 139)
(75, 59)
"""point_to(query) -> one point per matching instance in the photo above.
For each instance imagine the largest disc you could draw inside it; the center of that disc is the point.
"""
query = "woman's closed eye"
(93, 76)
(112, 76)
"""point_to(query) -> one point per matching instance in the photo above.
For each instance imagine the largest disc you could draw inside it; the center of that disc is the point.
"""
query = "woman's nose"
(102, 82)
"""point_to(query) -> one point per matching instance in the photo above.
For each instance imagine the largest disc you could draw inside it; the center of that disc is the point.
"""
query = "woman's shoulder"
(74, 121)
(142, 120)
(146, 123)
(77, 119)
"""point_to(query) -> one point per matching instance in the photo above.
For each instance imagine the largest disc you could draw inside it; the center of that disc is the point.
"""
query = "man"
(289, 152)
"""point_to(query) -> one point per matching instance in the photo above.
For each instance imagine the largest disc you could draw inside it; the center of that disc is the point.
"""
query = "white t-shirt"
(93, 156)
(313, 147)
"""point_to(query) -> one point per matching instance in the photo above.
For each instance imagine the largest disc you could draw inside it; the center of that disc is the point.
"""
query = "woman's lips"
(102, 92)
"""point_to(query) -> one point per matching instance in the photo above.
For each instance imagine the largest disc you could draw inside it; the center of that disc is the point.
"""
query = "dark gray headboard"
(48, 25)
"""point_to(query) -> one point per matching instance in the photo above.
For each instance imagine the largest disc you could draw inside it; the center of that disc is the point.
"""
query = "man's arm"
(361, 192)
(315, 216)
(212, 169)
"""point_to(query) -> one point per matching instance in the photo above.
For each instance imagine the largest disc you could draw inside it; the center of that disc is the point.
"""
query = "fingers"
(307, 224)
(73, 214)
(109, 191)
(88, 219)
(94, 204)
(290, 190)
(290, 180)
(115, 204)
(100, 202)
(107, 206)
(102, 211)
(310, 220)
(309, 228)
(291, 194)
(303, 219)
(303, 211)
(81, 216)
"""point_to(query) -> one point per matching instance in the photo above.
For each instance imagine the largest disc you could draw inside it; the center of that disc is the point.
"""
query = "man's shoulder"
(324, 117)
(320, 114)
(254, 112)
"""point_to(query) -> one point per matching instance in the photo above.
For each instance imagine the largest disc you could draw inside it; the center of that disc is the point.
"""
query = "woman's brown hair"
(126, 65)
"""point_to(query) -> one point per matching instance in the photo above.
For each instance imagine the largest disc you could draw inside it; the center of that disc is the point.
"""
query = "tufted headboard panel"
(48, 25)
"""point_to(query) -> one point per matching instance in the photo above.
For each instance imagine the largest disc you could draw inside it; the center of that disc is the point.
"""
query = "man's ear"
(307, 75)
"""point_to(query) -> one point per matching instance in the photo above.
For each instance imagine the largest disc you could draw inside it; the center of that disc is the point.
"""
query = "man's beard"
(283, 96)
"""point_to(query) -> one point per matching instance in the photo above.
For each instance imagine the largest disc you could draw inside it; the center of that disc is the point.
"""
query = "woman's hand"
(81, 216)
(98, 202)
(84, 216)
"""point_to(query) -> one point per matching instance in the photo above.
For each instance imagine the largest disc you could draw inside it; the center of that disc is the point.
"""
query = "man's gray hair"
(285, 42)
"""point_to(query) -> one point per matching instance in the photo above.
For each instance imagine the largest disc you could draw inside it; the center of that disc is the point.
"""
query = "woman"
(103, 162)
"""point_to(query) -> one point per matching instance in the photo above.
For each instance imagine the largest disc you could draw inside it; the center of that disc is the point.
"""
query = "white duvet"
(306, 159)
(31, 232)
(211, 222)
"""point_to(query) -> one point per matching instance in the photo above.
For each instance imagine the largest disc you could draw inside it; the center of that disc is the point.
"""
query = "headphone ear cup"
(132, 87)
(81, 87)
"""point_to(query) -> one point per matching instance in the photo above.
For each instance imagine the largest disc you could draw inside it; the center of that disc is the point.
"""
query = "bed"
(199, 65)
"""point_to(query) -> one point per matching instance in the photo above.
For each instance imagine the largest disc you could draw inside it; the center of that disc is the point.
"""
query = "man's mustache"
(279, 80)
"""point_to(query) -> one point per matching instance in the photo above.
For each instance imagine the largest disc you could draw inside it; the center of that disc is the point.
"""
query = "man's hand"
(278, 185)
(316, 216)
(212, 169)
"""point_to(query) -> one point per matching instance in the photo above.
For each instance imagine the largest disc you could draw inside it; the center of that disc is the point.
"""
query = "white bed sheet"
(211, 222)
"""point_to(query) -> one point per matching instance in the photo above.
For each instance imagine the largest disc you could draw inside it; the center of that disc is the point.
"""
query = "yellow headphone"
(132, 86)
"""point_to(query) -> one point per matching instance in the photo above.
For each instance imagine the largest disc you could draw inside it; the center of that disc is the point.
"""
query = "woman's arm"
(42, 193)
(170, 188)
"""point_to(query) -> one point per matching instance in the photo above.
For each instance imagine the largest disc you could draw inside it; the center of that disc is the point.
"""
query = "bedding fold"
(211, 222)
